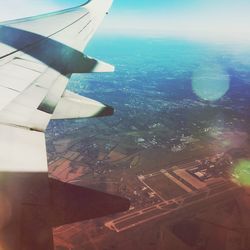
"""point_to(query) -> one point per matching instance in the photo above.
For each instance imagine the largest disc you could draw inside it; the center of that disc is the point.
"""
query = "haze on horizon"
(213, 20)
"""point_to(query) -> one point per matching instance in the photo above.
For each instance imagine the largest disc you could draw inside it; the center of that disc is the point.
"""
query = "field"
(165, 187)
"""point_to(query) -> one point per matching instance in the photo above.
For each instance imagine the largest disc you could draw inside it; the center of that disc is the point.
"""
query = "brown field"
(164, 186)
(62, 145)
(116, 156)
(71, 155)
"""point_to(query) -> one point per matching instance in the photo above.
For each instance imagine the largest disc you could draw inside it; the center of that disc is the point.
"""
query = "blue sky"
(226, 20)
(137, 4)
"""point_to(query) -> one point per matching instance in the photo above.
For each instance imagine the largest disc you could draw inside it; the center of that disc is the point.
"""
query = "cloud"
(224, 20)
(226, 23)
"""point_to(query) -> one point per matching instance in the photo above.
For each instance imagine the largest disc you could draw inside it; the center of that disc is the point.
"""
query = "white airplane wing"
(38, 55)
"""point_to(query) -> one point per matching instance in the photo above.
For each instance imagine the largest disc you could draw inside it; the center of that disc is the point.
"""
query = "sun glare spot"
(241, 172)
(210, 82)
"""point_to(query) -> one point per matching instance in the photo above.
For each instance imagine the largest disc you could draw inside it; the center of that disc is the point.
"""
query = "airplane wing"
(38, 55)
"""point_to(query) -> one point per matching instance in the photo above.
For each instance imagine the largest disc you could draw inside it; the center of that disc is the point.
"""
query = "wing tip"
(103, 67)
(97, 6)
(106, 111)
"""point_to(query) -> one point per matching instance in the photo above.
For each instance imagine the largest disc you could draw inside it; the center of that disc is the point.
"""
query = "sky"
(213, 20)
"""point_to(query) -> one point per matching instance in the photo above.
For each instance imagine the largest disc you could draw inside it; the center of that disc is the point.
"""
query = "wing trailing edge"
(74, 106)
(102, 67)
(86, 64)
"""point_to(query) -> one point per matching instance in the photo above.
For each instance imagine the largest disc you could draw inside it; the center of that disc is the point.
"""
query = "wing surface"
(38, 55)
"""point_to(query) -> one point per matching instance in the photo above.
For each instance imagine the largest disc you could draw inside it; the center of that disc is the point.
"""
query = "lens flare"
(242, 172)
(210, 82)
